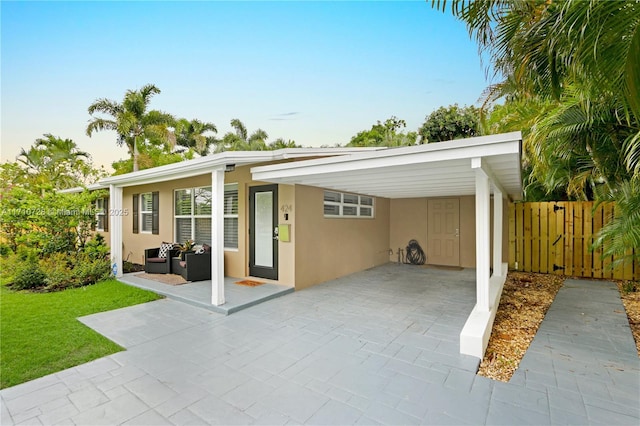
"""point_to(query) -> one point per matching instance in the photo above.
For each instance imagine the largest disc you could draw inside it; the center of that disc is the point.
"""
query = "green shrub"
(8, 266)
(630, 286)
(5, 250)
(59, 271)
(96, 247)
(27, 254)
(87, 270)
(28, 276)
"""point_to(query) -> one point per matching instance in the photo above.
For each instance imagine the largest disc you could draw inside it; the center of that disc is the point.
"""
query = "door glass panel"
(264, 229)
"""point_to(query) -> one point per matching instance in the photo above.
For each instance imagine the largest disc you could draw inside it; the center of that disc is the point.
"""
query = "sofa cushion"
(156, 259)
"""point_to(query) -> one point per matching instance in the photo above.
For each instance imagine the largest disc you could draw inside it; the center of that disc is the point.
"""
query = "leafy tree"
(281, 143)
(387, 134)
(152, 156)
(449, 123)
(192, 134)
(53, 222)
(241, 141)
(56, 163)
(581, 59)
(135, 125)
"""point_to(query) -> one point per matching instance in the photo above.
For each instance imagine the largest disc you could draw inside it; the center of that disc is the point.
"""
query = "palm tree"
(280, 143)
(240, 141)
(55, 161)
(191, 134)
(581, 59)
(130, 119)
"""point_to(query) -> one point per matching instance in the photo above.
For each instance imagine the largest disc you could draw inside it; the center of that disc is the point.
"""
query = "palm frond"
(98, 124)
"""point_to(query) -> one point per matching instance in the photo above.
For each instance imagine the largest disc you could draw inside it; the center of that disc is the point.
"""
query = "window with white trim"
(146, 212)
(231, 216)
(338, 204)
(101, 214)
(192, 213)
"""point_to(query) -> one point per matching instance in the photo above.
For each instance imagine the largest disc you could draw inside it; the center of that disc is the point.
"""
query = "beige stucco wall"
(327, 248)
(236, 261)
(135, 244)
(408, 220)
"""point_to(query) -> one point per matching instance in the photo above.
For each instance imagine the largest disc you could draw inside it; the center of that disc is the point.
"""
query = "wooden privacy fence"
(556, 238)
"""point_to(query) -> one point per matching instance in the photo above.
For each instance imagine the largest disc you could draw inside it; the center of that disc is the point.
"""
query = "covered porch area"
(198, 293)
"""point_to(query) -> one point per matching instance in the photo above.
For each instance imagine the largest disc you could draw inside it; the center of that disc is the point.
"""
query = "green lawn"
(39, 332)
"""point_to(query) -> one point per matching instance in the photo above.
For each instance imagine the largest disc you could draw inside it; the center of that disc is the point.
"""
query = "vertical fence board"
(578, 240)
(527, 240)
(512, 236)
(535, 237)
(553, 234)
(568, 238)
(559, 262)
(587, 232)
(597, 253)
(520, 235)
(544, 238)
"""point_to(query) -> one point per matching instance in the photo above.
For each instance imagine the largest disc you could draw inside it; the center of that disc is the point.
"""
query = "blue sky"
(314, 72)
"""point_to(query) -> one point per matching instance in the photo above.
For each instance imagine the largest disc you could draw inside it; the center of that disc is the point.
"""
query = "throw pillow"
(164, 249)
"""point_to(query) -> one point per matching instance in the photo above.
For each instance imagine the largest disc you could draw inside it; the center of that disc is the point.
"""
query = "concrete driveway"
(377, 347)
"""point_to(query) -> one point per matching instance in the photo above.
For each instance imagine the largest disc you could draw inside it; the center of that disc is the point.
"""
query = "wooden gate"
(556, 238)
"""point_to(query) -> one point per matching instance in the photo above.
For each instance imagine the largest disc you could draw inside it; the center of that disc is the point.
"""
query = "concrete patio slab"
(377, 347)
(198, 293)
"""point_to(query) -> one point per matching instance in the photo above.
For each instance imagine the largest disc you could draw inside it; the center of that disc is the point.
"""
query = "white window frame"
(144, 212)
(233, 186)
(101, 211)
(193, 216)
(346, 202)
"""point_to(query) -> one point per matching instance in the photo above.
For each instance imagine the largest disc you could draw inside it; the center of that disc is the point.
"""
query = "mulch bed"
(525, 299)
(631, 302)
(524, 302)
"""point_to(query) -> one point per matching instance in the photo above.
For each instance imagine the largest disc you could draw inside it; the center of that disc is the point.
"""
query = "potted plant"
(186, 247)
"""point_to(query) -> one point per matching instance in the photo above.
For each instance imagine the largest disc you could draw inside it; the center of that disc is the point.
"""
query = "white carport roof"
(431, 170)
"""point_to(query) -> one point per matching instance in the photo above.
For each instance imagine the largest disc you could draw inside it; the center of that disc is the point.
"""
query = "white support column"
(115, 213)
(483, 249)
(217, 231)
(497, 232)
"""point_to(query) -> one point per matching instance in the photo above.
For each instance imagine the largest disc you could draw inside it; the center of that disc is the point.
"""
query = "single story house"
(301, 216)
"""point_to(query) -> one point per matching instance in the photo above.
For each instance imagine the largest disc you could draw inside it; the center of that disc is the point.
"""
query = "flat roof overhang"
(433, 170)
(210, 163)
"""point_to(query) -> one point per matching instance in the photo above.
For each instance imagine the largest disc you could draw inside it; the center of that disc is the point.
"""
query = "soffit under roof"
(434, 170)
